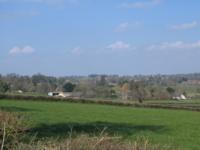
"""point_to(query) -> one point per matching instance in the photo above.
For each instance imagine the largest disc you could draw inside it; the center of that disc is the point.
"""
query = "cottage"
(60, 94)
(65, 94)
(180, 97)
(20, 91)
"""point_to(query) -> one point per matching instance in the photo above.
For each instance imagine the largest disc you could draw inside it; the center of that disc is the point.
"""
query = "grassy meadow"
(177, 128)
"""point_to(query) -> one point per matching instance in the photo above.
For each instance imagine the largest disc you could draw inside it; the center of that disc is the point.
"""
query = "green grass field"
(55, 119)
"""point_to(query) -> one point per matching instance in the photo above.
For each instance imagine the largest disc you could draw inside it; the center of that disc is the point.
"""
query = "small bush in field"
(11, 129)
(85, 142)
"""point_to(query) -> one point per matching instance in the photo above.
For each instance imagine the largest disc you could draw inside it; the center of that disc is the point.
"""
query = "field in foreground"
(55, 119)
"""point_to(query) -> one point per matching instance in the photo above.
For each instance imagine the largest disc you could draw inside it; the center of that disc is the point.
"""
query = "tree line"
(138, 87)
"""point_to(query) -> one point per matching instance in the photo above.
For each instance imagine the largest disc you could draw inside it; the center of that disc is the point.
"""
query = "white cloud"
(76, 51)
(118, 45)
(185, 26)
(122, 27)
(175, 45)
(41, 1)
(23, 50)
(144, 4)
(18, 14)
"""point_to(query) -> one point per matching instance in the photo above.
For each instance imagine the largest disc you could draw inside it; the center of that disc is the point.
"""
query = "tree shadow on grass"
(94, 128)
(15, 109)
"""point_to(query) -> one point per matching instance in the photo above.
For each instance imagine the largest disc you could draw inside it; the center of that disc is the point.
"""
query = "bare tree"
(138, 90)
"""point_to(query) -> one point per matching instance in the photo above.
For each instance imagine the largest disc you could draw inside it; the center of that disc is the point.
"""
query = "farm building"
(64, 94)
(20, 91)
(180, 97)
(60, 94)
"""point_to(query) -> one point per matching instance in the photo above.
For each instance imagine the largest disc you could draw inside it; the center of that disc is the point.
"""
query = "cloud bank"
(23, 50)
(175, 45)
(139, 4)
(51, 2)
(122, 27)
(185, 26)
(76, 51)
(118, 45)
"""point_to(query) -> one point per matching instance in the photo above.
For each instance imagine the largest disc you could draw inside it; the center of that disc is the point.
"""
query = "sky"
(82, 37)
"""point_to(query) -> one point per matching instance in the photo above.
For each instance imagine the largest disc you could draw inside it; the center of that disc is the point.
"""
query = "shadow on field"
(15, 109)
(93, 128)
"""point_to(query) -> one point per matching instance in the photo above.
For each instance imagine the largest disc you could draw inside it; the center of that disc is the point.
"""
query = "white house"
(20, 91)
(60, 94)
(65, 94)
(180, 97)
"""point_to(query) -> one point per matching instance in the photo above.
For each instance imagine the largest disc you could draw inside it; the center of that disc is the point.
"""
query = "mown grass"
(55, 119)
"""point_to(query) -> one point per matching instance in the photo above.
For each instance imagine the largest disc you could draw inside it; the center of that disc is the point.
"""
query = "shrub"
(11, 129)
(85, 142)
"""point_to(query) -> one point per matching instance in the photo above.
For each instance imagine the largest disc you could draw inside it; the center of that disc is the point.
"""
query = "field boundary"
(102, 102)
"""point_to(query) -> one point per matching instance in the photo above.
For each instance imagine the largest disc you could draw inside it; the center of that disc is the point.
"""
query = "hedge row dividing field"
(177, 128)
(193, 105)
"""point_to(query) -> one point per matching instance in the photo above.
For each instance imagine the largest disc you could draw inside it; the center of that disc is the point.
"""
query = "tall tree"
(138, 90)
(171, 91)
(4, 87)
(68, 87)
(125, 91)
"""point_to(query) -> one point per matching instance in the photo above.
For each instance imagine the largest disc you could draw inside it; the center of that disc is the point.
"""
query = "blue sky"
(81, 37)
